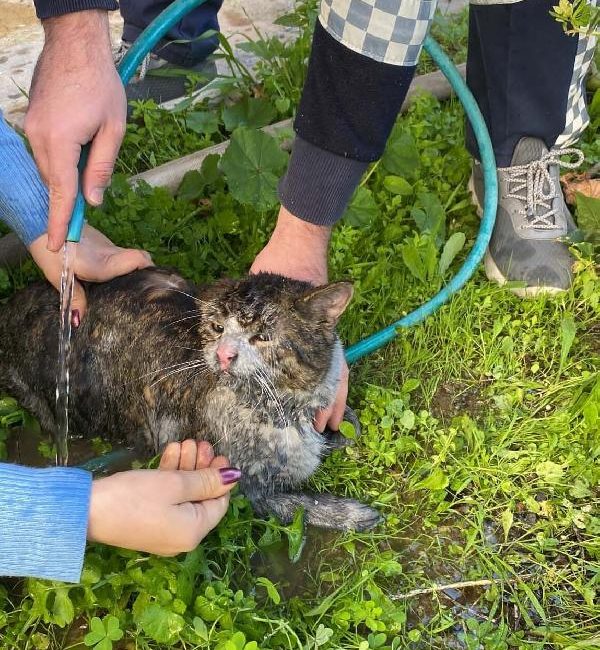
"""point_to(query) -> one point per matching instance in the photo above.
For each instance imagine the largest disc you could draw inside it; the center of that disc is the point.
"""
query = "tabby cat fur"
(243, 364)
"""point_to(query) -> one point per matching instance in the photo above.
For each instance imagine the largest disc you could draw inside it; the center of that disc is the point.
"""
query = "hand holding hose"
(76, 97)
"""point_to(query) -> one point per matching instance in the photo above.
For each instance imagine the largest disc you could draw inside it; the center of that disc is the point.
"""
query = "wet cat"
(244, 364)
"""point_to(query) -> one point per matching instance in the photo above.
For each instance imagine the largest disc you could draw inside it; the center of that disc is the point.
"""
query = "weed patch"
(481, 426)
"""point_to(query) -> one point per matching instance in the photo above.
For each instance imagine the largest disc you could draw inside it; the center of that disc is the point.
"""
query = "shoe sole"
(494, 274)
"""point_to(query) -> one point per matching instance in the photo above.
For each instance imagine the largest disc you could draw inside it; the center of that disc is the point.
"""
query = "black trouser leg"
(520, 68)
(138, 14)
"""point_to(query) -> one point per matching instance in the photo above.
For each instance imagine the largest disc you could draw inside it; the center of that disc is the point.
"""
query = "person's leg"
(527, 76)
(189, 49)
(520, 67)
(184, 46)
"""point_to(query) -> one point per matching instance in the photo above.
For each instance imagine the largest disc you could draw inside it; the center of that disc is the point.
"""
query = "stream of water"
(64, 354)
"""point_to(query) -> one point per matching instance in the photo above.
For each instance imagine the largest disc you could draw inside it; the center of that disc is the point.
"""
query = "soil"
(592, 336)
(451, 399)
(15, 17)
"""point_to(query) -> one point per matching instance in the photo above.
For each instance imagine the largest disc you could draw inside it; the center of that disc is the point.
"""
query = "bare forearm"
(297, 249)
(76, 98)
(83, 35)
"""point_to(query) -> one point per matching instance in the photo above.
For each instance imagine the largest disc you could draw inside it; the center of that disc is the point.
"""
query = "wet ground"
(34, 449)
(20, 43)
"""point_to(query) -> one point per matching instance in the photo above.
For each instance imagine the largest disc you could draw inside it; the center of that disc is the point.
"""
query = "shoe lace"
(534, 178)
(122, 51)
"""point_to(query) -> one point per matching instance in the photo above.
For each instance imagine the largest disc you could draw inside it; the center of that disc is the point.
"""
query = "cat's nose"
(226, 354)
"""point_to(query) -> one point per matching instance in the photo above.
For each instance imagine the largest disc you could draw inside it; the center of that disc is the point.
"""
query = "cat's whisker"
(191, 366)
(194, 298)
(188, 366)
(271, 390)
(191, 312)
(179, 320)
(158, 381)
(159, 370)
(183, 347)
(200, 373)
(263, 388)
(260, 375)
(187, 331)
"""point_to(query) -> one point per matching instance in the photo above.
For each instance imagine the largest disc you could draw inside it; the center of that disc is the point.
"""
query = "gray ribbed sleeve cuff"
(51, 8)
(43, 521)
(318, 184)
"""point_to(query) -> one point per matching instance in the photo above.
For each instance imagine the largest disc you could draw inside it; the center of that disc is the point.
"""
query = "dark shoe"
(160, 80)
(527, 243)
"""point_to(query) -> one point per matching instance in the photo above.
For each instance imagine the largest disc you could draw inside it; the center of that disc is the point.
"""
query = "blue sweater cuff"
(43, 521)
(23, 195)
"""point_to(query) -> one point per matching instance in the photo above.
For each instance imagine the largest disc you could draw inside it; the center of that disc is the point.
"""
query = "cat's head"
(266, 325)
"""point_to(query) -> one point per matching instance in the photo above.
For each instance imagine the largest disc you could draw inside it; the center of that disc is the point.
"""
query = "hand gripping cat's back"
(244, 364)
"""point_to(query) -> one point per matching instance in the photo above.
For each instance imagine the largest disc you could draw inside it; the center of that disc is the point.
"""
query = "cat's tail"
(321, 510)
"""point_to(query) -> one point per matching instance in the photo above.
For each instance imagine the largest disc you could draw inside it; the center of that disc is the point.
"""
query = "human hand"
(191, 455)
(76, 97)
(333, 415)
(165, 511)
(298, 250)
(98, 260)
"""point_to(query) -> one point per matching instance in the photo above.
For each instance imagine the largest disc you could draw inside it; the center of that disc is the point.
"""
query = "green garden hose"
(148, 39)
(490, 202)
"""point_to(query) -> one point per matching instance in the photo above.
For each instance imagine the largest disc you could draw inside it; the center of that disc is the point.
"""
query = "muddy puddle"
(303, 578)
(325, 563)
(32, 448)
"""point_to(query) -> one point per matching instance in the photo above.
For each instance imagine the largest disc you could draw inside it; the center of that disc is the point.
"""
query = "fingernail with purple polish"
(75, 320)
(229, 475)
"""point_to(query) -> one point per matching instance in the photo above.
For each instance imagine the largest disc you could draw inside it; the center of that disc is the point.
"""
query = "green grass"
(480, 445)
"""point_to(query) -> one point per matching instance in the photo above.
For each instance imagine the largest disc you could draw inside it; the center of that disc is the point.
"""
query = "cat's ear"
(160, 283)
(327, 302)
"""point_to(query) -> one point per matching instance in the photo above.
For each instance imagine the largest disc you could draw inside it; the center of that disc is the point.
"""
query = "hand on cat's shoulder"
(97, 260)
(296, 249)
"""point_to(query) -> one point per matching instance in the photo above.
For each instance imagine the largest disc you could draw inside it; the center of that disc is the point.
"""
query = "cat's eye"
(217, 328)
(259, 338)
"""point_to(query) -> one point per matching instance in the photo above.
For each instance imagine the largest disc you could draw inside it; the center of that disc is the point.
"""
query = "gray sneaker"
(527, 244)
(160, 80)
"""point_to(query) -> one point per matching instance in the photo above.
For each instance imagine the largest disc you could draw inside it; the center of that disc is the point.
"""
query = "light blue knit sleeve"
(43, 521)
(23, 195)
